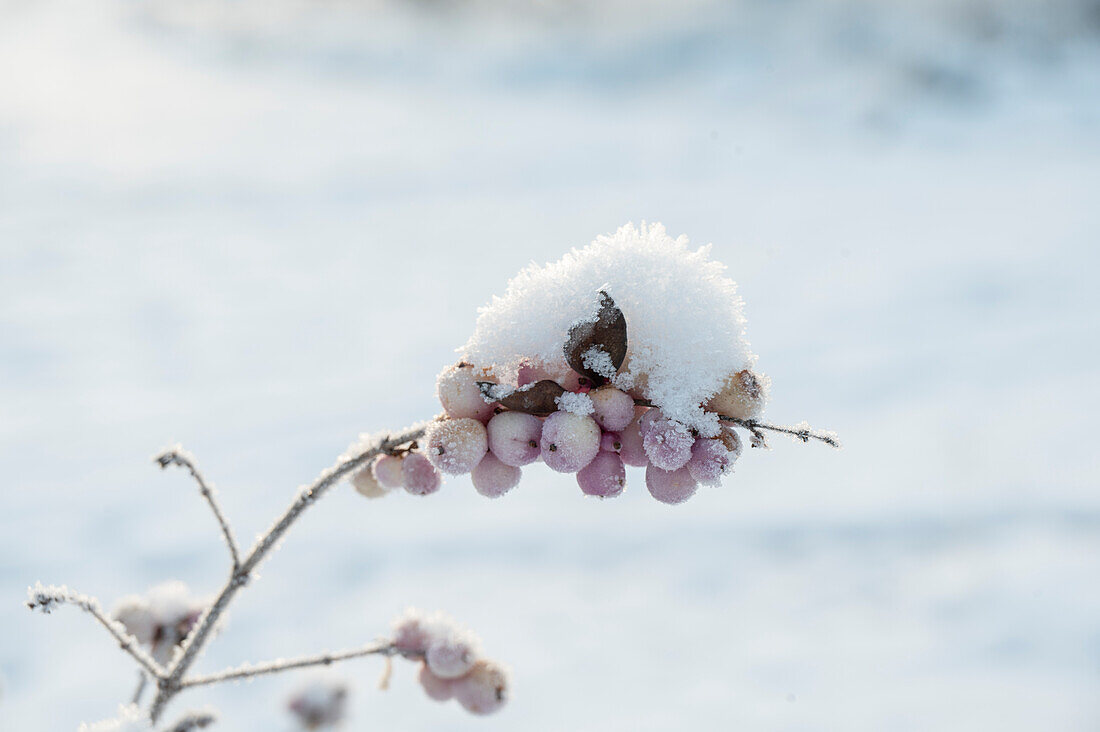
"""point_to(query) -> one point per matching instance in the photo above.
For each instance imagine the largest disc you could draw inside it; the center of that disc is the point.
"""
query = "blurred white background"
(260, 228)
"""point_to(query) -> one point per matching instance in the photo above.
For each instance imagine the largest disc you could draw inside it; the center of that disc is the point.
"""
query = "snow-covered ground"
(262, 228)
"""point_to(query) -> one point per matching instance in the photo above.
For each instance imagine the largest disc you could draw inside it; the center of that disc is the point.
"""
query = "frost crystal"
(579, 404)
(686, 331)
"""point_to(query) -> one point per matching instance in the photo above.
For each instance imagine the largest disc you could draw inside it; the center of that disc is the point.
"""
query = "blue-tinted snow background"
(260, 228)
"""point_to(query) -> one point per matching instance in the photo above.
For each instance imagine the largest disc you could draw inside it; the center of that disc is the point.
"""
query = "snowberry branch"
(46, 598)
(247, 671)
(177, 456)
(172, 681)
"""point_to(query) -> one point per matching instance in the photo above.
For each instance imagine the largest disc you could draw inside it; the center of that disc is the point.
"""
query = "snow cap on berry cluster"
(686, 331)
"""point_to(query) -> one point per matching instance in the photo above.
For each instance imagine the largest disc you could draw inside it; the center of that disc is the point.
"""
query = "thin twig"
(140, 690)
(172, 682)
(247, 671)
(178, 456)
(802, 432)
(46, 598)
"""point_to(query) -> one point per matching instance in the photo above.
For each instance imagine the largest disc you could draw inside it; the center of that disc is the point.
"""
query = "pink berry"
(366, 484)
(671, 487)
(418, 475)
(614, 408)
(569, 442)
(460, 395)
(387, 470)
(514, 437)
(604, 477)
(611, 442)
(455, 446)
(492, 478)
(667, 443)
(452, 655)
(484, 690)
(435, 687)
(632, 451)
(710, 460)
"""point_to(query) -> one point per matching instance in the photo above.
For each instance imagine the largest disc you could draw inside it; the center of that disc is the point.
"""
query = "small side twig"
(247, 671)
(177, 456)
(140, 690)
(46, 598)
(802, 431)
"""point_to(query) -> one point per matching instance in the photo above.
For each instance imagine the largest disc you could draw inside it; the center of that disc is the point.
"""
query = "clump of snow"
(575, 402)
(599, 361)
(129, 719)
(685, 328)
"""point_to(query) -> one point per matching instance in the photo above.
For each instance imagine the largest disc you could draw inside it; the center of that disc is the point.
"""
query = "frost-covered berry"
(319, 704)
(631, 449)
(387, 469)
(136, 615)
(742, 396)
(667, 443)
(569, 441)
(366, 484)
(436, 688)
(418, 475)
(484, 690)
(514, 437)
(493, 478)
(614, 409)
(672, 487)
(460, 395)
(604, 477)
(452, 654)
(455, 446)
(412, 632)
(710, 460)
(611, 442)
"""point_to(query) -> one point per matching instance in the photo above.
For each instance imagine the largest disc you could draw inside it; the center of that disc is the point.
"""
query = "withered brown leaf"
(538, 398)
(606, 333)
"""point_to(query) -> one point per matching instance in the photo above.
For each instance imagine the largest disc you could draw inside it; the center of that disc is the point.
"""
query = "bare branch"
(46, 598)
(192, 721)
(172, 682)
(801, 431)
(247, 671)
(178, 456)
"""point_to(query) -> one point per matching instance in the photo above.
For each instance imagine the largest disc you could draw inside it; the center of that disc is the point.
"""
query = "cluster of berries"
(161, 618)
(451, 663)
(592, 432)
(584, 415)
